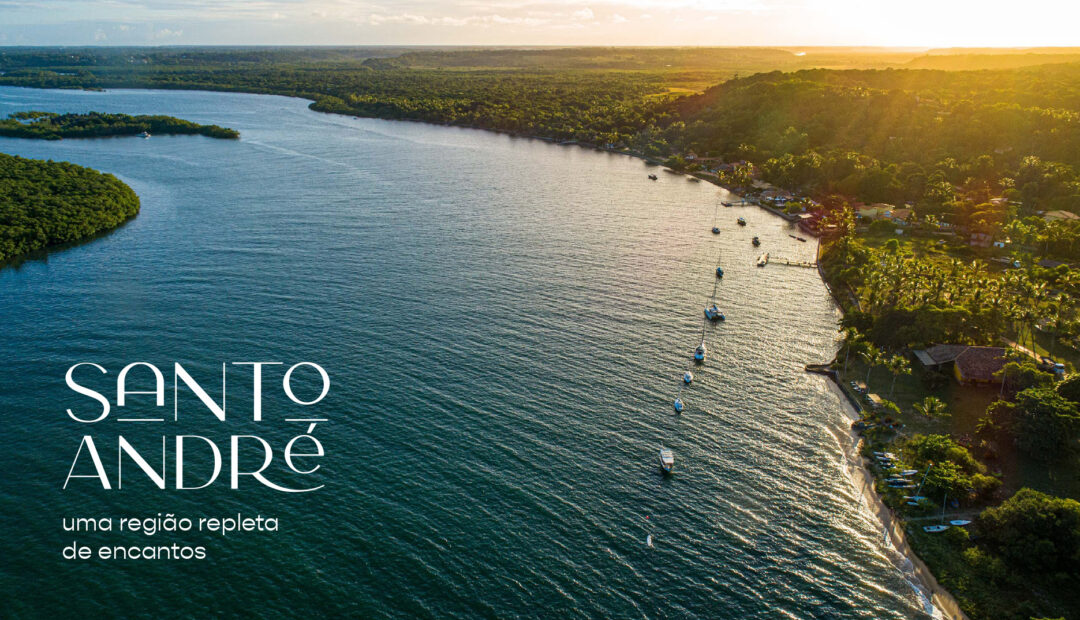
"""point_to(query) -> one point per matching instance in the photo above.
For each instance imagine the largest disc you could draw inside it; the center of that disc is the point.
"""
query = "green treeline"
(897, 136)
(52, 126)
(45, 203)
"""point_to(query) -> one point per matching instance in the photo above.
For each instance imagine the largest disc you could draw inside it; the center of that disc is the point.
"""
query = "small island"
(54, 126)
(47, 203)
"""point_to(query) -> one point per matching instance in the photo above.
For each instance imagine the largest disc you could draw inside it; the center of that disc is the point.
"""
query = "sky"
(907, 23)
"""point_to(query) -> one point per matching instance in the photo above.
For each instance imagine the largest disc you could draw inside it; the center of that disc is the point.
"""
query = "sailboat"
(700, 352)
(713, 313)
(934, 529)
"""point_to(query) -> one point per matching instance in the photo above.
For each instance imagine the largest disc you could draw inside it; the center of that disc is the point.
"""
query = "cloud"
(618, 19)
(99, 35)
(166, 33)
(584, 14)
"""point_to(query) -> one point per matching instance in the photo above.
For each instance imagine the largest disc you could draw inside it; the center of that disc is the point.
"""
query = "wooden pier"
(794, 263)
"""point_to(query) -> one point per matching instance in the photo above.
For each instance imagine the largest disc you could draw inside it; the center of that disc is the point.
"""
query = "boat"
(678, 405)
(792, 236)
(667, 460)
(713, 313)
(145, 134)
(960, 522)
(688, 377)
(719, 272)
(652, 177)
(888, 455)
(914, 498)
(726, 204)
(908, 472)
(693, 179)
(801, 239)
(934, 529)
(700, 352)
(763, 260)
(756, 242)
(648, 540)
(716, 230)
(741, 221)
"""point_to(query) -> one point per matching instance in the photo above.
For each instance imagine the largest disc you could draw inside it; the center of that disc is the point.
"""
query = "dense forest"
(589, 95)
(53, 126)
(46, 203)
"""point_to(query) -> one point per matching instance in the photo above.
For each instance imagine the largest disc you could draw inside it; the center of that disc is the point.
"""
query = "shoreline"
(863, 479)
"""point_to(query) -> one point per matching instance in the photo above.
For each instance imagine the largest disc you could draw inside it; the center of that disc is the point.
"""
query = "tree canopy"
(45, 203)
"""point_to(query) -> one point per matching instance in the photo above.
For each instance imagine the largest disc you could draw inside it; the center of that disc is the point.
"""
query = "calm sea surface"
(505, 323)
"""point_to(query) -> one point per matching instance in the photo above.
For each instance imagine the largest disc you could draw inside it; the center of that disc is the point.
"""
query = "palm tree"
(931, 407)
(897, 365)
(852, 338)
(872, 356)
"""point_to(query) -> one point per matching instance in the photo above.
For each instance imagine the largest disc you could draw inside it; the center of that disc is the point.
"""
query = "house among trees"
(969, 364)
(1057, 216)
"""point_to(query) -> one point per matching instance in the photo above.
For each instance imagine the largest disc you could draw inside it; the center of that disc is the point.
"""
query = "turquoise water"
(504, 321)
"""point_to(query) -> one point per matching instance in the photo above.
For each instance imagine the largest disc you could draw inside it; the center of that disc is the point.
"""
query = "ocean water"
(504, 321)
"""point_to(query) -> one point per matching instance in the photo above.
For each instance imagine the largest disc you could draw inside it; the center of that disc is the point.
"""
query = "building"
(969, 364)
(1057, 216)
(872, 212)
(900, 216)
(981, 240)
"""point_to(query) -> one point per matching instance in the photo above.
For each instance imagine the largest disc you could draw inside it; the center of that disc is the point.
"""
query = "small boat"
(648, 540)
(888, 455)
(960, 522)
(741, 221)
(713, 313)
(801, 239)
(719, 272)
(914, 498)
(763, 260)
(145, 134)
(678, 405)
(700, 352)
(716, 230)
(792, 236)
(667, 461)
(726, 204)
(934, 529)
(652, 177)
(756, 242)
(688, 377)
(908, 472)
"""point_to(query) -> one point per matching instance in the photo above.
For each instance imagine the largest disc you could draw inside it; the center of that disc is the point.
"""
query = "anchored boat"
(763, 260)
(713, 313)
(667, 461)
(688, 377)
(678, 405)
(756, 242)
(741, 221)
(700, 352)
(719, 272)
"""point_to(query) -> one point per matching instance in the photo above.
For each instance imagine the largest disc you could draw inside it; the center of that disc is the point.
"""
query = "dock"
(794, 263)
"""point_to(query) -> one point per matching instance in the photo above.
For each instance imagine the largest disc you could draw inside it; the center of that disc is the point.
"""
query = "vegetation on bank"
(53, 126)
(46, 203)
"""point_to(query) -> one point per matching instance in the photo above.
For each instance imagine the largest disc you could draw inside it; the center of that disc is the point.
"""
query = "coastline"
(858, 467)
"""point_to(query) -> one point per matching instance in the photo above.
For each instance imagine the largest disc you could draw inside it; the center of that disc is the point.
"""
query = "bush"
(1034, 532)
